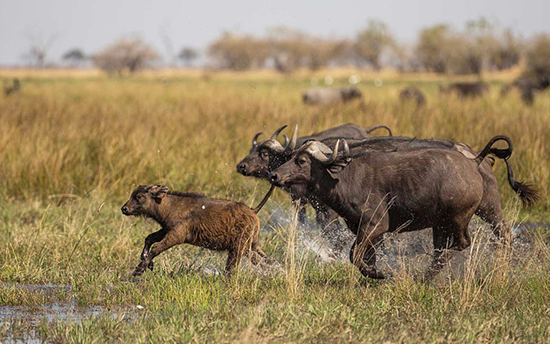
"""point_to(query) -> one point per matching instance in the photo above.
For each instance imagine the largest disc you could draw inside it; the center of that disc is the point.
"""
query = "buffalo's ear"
(337, 167)
(333, 171)
(158, 192)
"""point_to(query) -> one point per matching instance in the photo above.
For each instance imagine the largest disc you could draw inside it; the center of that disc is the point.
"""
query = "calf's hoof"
(150, 266)
(138, 272)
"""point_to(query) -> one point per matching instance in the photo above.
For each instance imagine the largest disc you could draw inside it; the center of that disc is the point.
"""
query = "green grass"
(73, 149)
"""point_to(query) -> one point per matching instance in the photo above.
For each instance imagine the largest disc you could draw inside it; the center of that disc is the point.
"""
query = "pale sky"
(92, 24)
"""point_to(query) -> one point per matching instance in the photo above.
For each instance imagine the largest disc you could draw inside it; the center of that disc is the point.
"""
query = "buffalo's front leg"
(363, 251)
(364, 258)
(300, 206)
(145, 261)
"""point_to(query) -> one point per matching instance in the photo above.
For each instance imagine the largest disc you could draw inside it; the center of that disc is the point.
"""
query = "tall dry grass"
(64, 138)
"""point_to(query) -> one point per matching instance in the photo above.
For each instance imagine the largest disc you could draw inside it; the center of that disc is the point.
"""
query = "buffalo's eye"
(302, 161)
(140, 197)
(264, 155)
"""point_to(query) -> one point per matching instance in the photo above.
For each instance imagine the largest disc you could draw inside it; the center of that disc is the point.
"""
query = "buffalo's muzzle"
(125, 210)
(274, 179)
(241, 168)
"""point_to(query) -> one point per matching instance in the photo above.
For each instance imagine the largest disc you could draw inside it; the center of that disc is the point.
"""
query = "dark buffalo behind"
(414, 94)
(466, 89)
(330, 95)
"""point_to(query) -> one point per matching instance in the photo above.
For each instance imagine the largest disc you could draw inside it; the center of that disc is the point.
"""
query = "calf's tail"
(526, 191)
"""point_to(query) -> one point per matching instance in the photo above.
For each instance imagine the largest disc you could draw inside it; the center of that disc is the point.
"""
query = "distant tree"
(507, 52)
(479, 45)
(238, 52)
(323, 52)
(371, 42)
(38, 49)
(288, 48)
(75, 57)
(188, 55)
(127, 53)
(538, 55)
(432, 48)
(402, 58)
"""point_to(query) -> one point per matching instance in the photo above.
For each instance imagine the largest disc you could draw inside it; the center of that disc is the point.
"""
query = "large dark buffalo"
(400, 190)
(266, 156)
(466, 89)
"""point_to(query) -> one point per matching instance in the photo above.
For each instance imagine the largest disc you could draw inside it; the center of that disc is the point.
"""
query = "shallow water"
(22, 322)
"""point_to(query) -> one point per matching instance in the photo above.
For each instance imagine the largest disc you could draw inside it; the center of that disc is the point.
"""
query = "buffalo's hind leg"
(449, 237)
(490, 208)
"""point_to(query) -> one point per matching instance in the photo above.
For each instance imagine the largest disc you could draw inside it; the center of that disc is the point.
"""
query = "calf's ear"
(158, 192)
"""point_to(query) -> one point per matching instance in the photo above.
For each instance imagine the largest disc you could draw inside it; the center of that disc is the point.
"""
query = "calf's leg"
(149, 241)
(233, 259)
(169, 240)
(256, 254)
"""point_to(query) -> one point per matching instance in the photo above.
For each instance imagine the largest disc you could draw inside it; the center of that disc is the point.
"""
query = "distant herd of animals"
(375, 184)
(527, 85)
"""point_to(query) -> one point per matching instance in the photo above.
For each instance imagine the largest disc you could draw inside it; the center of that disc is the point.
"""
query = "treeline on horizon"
(479, 46)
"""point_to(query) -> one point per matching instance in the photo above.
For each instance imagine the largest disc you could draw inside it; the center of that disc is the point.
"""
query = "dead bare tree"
(39, 46)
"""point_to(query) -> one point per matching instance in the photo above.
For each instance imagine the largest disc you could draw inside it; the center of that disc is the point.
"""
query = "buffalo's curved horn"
(255, 139)
(346, 148)
(277, 132)
(334, 152)
(320, 152)
(286, 141)
(273, 145)
(292, 144)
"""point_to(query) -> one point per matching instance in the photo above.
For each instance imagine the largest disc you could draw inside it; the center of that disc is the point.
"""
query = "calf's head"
(144, 200)
(314, 160)
(267, 155)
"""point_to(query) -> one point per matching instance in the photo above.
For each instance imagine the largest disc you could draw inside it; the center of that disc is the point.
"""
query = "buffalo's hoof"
(150, 266)
(138, 272)
(377, 275)
(373, 273)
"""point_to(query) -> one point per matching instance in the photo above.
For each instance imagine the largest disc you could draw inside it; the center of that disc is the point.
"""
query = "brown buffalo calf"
(195, 219)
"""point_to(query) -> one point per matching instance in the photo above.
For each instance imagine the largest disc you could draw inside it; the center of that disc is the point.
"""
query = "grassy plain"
(73, 146)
